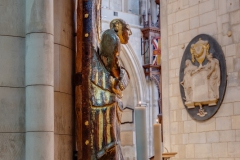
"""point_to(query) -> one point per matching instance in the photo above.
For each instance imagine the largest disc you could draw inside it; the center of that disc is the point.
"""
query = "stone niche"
(202, 77)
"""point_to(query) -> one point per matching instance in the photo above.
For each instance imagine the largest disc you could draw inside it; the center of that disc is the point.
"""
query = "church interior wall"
(182, 20)
(127, 6)
(12, 79)
(16, 40)
(63, 73)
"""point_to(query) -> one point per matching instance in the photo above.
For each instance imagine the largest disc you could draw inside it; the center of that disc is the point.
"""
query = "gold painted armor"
(108, 79)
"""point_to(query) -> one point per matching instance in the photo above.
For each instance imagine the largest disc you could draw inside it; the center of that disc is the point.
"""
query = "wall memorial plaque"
(203, 77)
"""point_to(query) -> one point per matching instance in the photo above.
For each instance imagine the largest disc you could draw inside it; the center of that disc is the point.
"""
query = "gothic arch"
(156, 80)
(138, 82)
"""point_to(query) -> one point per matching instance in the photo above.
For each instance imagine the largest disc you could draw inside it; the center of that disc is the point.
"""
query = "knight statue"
(108, 80)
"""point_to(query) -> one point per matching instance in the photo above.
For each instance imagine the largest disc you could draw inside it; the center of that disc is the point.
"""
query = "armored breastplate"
(106, 111)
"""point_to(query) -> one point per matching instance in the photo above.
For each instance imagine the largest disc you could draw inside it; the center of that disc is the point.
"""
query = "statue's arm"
(212, 68)
(124, 78)
(114, 83)
(195, 71)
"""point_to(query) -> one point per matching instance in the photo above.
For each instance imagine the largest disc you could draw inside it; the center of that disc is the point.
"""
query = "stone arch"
(138, 83)
(156, 80)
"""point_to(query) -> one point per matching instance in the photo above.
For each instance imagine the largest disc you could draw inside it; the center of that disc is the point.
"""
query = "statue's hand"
(117, 92)
(114, 82)
(124, 79)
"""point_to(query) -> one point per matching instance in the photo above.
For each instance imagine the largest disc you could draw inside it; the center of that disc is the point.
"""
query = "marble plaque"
(202, 77)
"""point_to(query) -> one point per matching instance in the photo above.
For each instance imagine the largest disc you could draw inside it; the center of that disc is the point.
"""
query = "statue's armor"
(106, 109)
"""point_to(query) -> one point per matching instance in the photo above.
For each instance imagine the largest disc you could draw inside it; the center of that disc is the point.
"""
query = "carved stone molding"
(153, 72)
(203, 77)
(156, 80)
(150, 30)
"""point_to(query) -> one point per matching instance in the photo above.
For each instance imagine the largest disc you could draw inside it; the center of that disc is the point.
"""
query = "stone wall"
(63, 73)
(181, 20)
(35, 120)
(128, 6)
(12, 79)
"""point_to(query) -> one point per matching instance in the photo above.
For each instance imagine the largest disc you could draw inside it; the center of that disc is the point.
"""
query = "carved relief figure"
(213, 76)
(108, 80)
(201, 84)
(186, 83)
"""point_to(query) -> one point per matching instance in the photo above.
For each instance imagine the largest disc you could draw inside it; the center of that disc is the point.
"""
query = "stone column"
(149, 121)
(147, 8)
(143, 10)
(154, 11)
(143, 7)
(123, 5)
(39, 66)
(165, 72)
(155, 98)
(155, 112)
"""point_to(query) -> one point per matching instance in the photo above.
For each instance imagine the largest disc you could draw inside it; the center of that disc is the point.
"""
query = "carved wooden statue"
(108, 79)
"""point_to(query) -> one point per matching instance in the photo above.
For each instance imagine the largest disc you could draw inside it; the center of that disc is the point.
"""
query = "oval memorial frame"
(198, 81)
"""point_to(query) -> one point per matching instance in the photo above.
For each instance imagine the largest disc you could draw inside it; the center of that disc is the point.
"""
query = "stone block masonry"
(218, 137)
(36, 73)
(12, 80)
